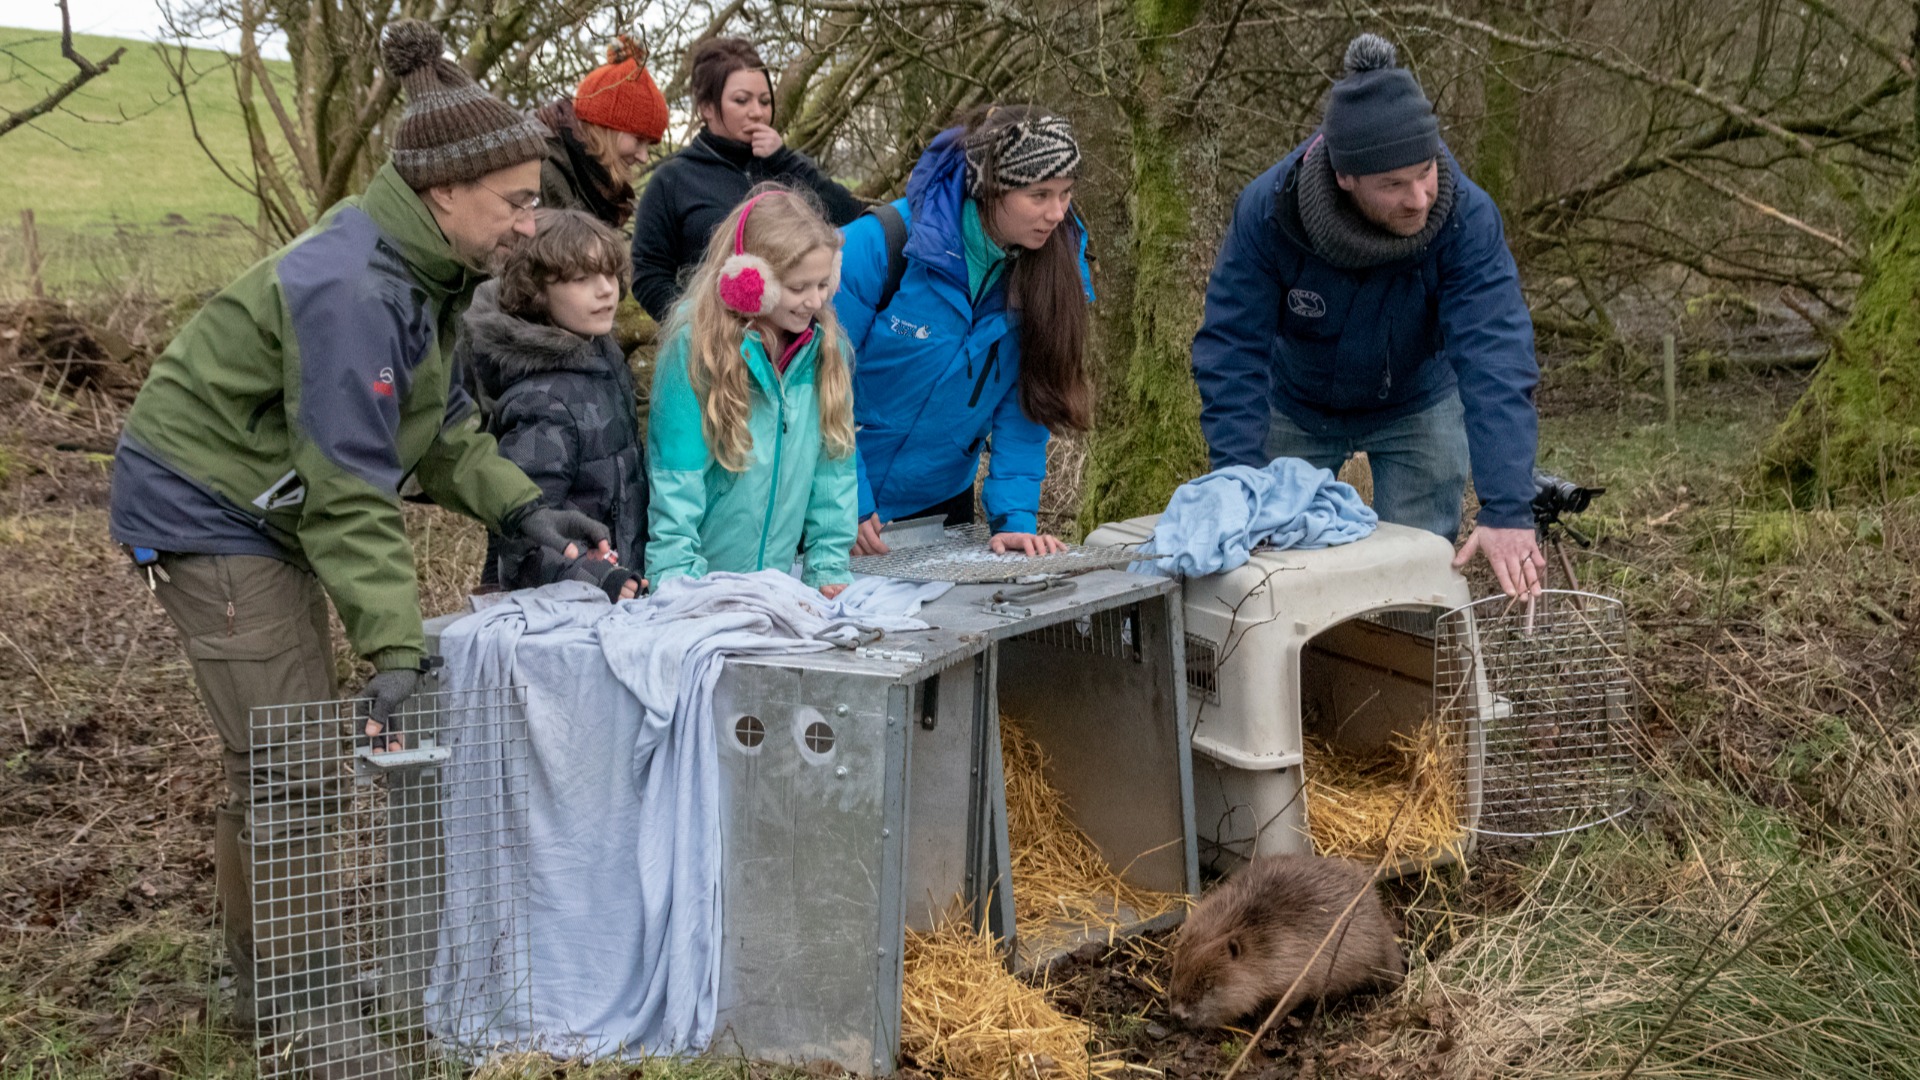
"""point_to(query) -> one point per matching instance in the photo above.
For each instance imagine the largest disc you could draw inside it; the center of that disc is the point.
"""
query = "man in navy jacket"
(1364, 300)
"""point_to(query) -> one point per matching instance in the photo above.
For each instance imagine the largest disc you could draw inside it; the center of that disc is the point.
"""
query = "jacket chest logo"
(1310, 305)
(383, 382)
(906, 329)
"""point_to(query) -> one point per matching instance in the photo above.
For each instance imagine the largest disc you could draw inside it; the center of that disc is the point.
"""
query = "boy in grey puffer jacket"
(559, 397)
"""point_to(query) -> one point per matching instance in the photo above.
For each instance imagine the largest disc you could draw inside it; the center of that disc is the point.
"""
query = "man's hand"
(554, 529)
(1514, 555)
(762, 139)
(385, 692)
(1026, 543)
(869, 542)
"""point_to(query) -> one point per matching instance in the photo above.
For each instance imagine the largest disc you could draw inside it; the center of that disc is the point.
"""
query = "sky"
(139, 19)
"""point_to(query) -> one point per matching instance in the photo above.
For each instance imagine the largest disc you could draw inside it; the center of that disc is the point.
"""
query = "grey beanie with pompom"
(451, 130)
(1378, 119)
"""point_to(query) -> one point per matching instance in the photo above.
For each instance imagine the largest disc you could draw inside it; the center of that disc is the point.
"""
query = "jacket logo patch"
(1306, 304)
(286, 491)
(906, 329)
(383, 383)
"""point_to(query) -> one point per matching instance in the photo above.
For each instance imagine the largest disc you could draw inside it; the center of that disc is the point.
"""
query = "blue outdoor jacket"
(935, 377)
(1342, 352)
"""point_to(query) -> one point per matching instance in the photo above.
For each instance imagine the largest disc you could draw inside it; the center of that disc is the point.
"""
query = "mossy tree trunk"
(1855, 434)
(1147, 440)
(1496, 153)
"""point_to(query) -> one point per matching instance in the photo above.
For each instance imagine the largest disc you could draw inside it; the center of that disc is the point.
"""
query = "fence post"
(1669, 377)
(30, 239)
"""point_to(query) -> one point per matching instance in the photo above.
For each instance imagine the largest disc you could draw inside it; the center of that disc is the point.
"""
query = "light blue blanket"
(1213, 523)
(623, 847)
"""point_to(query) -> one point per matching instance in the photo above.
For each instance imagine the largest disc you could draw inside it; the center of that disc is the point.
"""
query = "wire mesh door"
(389, 885)
(1539, 700)
(963, 557)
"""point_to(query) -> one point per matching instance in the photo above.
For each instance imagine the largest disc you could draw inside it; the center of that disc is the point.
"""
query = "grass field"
(123, 196)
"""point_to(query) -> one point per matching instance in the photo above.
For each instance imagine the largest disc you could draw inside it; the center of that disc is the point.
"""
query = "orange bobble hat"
(619, 94)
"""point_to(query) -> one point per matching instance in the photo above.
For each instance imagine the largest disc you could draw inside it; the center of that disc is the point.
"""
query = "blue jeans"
(1419, 462)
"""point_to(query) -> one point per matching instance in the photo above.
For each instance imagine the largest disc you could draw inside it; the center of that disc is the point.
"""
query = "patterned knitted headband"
(1021, 153)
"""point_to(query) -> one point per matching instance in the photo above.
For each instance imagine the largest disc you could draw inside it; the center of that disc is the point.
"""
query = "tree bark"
(1855, 434)
(1147, 440)
(1496, 154)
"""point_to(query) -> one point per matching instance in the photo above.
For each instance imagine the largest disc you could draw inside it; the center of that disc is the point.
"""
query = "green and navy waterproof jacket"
(284, 417)
(794, 496)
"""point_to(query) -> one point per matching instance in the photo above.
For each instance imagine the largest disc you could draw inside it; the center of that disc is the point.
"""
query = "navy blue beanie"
(1378, 118)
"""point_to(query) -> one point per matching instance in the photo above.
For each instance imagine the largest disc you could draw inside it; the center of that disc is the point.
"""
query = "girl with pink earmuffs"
(750, 437)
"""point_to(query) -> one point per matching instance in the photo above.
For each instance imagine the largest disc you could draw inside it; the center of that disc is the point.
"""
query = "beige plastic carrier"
(1336, 640)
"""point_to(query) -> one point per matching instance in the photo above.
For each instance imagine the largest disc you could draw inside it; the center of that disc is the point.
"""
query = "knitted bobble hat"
(1378, 119)
(620, 95)
(451, 131)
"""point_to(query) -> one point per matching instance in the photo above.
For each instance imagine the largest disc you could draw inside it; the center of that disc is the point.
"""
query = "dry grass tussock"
(1760, 914)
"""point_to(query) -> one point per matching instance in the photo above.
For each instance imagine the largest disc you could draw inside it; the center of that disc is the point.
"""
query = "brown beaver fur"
(1246, 940)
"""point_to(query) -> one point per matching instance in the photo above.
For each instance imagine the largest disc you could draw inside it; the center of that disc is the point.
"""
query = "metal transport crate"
(862, 794)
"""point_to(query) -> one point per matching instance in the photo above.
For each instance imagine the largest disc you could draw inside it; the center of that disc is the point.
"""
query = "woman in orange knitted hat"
(617, 114)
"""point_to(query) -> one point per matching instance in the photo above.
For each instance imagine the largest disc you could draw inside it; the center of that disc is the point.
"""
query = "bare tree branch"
(89, 70)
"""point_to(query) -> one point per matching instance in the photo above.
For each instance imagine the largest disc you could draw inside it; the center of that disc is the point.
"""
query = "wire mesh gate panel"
(1539, 697)
(389, 897)
(965, 557)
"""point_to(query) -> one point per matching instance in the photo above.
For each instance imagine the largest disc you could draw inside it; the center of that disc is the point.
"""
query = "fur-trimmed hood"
(506, 348)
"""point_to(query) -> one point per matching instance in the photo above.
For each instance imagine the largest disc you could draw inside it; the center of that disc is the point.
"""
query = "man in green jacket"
(258, 475)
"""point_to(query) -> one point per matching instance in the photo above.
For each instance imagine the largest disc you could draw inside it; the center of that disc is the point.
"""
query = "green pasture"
(124, 197)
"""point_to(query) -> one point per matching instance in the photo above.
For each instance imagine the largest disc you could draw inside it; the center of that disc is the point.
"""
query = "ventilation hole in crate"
(750, 731)
(819, 737)
(1203, 668)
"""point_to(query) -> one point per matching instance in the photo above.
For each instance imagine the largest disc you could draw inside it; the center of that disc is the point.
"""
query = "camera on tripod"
(1553, 497)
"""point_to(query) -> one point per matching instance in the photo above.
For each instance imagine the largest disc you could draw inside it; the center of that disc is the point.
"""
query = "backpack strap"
(895, 228)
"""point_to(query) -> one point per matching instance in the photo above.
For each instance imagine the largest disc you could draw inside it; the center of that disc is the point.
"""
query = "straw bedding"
(1400, 802)
(962, 1012)
(1062, 887)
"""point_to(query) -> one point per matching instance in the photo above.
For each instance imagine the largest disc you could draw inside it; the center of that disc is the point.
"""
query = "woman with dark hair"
(978, 343)
(690, 193)
(600, 135)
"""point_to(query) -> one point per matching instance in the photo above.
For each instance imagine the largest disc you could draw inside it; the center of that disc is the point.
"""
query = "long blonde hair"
(783, 230)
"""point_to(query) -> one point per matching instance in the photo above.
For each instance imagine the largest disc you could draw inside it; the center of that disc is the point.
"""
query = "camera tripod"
(1552, 498)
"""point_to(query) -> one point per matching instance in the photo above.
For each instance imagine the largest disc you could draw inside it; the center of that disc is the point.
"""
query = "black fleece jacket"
(691, 193)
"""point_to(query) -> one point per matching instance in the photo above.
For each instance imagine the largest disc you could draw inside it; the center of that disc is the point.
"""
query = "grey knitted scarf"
(1341, 236)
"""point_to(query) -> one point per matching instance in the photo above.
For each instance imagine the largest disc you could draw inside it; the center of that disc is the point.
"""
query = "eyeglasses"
(520, 209)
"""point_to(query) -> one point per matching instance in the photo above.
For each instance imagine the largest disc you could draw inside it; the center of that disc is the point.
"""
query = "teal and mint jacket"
(793, 497)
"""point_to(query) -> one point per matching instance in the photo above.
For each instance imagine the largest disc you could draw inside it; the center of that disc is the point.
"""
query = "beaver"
(1246, 940)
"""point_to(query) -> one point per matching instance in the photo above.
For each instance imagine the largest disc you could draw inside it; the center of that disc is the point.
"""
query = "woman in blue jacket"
(979, 347)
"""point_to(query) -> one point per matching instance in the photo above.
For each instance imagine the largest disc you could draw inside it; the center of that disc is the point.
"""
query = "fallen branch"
(1752, 203)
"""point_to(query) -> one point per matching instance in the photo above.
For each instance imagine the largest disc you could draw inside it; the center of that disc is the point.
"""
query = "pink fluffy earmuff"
(747, 284)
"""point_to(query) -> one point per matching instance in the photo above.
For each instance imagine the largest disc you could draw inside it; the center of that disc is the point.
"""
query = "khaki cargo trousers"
(256, 634)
